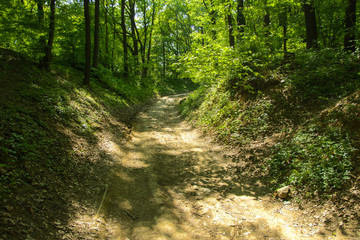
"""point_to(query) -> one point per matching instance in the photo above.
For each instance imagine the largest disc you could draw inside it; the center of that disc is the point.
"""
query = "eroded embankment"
(170, 182)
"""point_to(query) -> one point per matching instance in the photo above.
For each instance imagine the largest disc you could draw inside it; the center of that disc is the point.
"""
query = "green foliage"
(37, 105)
(329, 74)
(278, 98)
(131, 91)
(193, 101)
(313, 161)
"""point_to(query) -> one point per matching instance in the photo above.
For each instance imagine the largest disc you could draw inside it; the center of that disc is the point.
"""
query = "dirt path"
(171, 183)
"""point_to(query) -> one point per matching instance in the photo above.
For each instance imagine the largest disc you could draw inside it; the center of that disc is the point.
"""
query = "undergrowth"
(314, 155)
(36, 106)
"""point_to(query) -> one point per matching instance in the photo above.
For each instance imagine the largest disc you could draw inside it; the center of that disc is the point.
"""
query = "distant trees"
(146, 39)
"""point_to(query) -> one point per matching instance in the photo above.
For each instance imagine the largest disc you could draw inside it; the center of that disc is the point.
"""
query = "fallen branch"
(134, 218)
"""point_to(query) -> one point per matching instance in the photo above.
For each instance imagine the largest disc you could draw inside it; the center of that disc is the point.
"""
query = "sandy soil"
(171, 182)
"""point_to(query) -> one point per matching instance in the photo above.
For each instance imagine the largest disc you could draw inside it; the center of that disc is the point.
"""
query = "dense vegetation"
(286, 68)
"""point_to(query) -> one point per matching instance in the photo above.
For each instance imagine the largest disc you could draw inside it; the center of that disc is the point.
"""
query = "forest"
(276, 81)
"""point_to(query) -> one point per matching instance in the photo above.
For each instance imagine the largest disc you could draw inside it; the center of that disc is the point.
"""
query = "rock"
(284, 192)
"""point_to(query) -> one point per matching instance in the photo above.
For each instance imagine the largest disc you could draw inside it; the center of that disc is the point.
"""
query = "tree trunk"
(144, 44)
(240, 18)
(283, 21)
(350, 24)
(46, 62)
(285, 39)
(230, 29)
(112, 65)
(96, 34)
(311, 26)
(124, 40)
(133, 30)
(146, 67)
(87, 43)
(164, 58)
(106, 61)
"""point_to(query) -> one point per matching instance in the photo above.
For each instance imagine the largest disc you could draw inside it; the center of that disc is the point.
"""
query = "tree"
(96, 34)
(46, 61)
(124, 39)
(283, 20)
(350, 23)
(87, 43)
(310, 23)
(230, 27)
(240, 18)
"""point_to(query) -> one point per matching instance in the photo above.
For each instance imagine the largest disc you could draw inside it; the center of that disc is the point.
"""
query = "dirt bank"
(170, 182)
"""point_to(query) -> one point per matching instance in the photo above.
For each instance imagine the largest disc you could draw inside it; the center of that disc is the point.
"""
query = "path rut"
(170, 182)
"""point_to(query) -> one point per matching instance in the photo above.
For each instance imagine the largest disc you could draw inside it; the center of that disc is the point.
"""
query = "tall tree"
(46, 61)
(133, 31)
(283, 19)
(87, 43)
(106, 7)
(350, 23)
(310, 23)
(124, 39)
(96, 35)
(230, 27)
(240, 18)
(146, 67)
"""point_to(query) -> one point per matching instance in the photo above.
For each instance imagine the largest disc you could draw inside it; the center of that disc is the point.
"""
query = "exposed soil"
(171, 182)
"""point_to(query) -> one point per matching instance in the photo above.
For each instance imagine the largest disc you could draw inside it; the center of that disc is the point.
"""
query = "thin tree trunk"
(133, 30)
(285, 39)
(350, 24)
(96, 34)
(87, 43)
(240, 18)
(230, 28)
(144, 44)
(114, 36)
(164, 58)
(146, 68)
(124, 40)
(106, 60)
(311, 26)
(46, 62)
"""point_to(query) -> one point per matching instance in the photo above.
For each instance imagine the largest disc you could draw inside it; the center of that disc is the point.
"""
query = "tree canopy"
(165, 39)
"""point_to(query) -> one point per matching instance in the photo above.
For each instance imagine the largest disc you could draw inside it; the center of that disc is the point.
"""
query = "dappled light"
(179, 120)
(170, 182)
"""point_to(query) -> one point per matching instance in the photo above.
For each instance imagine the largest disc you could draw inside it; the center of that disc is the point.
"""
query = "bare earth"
(170, 182)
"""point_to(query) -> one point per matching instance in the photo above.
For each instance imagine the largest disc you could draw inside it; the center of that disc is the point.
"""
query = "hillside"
(294, 123)
(52, 135)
